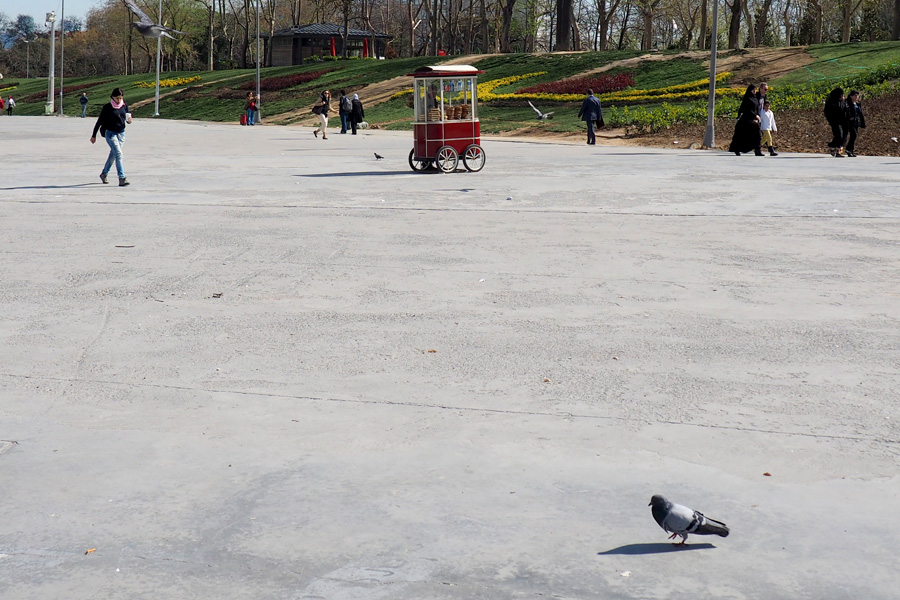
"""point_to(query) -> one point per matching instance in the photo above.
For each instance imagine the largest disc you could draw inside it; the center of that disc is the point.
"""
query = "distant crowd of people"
(756, 123)
(350, 110)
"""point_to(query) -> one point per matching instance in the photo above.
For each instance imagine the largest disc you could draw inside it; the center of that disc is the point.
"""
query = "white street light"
(51, 18)
(257, 60)
(709, 137)
(27, 58)
(158, 54)
(62, 53)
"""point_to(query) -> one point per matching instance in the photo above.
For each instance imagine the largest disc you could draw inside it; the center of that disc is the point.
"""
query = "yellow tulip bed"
(168, 82)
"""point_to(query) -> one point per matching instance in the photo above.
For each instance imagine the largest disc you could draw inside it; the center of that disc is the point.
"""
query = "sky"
(39, 8)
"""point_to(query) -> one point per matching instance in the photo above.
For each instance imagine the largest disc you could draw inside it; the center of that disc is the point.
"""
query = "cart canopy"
(445, 71)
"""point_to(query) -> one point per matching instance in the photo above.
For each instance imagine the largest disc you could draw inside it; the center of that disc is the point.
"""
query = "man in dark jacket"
(84, 102)
(591, 112)
(345, 107)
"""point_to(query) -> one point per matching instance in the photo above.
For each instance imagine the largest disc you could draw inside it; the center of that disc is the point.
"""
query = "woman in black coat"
(836, 115)
(855, 120)
(746, 131)
(357, 114)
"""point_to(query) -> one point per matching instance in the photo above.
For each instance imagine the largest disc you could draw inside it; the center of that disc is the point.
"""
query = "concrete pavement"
(274, 367)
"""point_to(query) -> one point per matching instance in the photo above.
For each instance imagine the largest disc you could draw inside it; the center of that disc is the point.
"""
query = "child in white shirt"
(766, 127)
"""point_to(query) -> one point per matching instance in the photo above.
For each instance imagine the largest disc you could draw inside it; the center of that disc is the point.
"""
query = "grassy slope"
(838, 61)
(216, 96)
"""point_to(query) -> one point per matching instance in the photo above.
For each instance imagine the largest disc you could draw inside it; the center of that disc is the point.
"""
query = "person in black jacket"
(836, 115)
(357, 114)
(746, 131)
(855, 120)
(111, 123)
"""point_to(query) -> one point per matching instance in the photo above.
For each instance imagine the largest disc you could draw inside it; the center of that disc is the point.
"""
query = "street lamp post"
(27, 58)
(62, 52)
(257, 59)
(709, 137)
(51, 18)
(158, 54)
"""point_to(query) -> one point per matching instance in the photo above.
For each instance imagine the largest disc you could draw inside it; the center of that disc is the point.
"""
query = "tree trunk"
(751, 30)
(819, 19)
(848, 9)
(647, 38)
(762, 21)
(507, 14)
(895, 25)
(563, 24)
(704, 18)
(734, 31)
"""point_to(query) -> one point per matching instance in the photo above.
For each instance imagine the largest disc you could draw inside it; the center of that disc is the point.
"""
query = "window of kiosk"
(420, 103)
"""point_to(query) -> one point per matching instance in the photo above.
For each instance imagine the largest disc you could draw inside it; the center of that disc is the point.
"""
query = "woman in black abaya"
(746, 131)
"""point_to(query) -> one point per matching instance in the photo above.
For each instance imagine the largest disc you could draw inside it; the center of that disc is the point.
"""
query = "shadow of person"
(658, 548)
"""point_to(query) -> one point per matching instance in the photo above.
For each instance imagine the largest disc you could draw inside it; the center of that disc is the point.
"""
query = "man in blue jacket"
(592, 112)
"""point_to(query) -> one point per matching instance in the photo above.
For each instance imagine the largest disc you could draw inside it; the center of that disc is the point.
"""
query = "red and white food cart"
(446, 127)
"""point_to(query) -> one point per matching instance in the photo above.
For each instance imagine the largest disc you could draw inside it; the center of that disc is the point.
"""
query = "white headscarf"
(356, 96)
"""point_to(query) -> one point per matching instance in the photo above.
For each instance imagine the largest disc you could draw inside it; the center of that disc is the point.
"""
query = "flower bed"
(600, 85)
(275, 84)
(168, 82)
(66, 90)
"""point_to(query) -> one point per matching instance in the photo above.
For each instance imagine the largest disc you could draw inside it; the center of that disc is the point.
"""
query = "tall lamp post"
(62, 52)
(158, 54)
(27, 58)
(257, 58)
(709, 137)
(51, 18)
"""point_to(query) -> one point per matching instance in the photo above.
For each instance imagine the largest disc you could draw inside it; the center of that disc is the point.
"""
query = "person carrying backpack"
(345, 107)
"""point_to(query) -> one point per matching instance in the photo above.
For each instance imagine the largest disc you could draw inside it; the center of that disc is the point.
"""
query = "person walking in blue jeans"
(111, 124)
(84, 102)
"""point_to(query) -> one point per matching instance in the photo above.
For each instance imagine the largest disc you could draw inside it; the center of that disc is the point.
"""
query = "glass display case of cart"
(446, 98)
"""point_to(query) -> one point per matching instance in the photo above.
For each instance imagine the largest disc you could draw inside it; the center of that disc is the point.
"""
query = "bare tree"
(848, 9)
(506, 9)
(647, 10)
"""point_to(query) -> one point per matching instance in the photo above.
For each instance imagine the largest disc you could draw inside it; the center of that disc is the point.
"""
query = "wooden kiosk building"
(296, 45)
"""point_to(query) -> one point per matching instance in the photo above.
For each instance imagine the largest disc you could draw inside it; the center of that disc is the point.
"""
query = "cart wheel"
(446, 159)
(473, 158)
(417, 164)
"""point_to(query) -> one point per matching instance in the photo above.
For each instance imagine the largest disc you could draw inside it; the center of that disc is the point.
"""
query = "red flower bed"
(274, 84)
(601, 85)
(67, 90)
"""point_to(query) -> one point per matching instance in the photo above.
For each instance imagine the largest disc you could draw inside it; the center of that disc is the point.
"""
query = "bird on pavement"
(542, 116)
(378, 156)
(146, 27)
(680, 520)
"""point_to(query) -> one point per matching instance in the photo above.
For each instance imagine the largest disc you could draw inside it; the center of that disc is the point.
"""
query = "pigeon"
(680, 520)
(146, 27)
(378, 156)
(541, 116)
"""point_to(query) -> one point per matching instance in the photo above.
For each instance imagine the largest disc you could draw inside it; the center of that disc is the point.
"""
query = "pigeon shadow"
(658, 548)
(50, 187)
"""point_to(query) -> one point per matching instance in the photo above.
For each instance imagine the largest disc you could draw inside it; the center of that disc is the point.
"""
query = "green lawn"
(839, 61)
